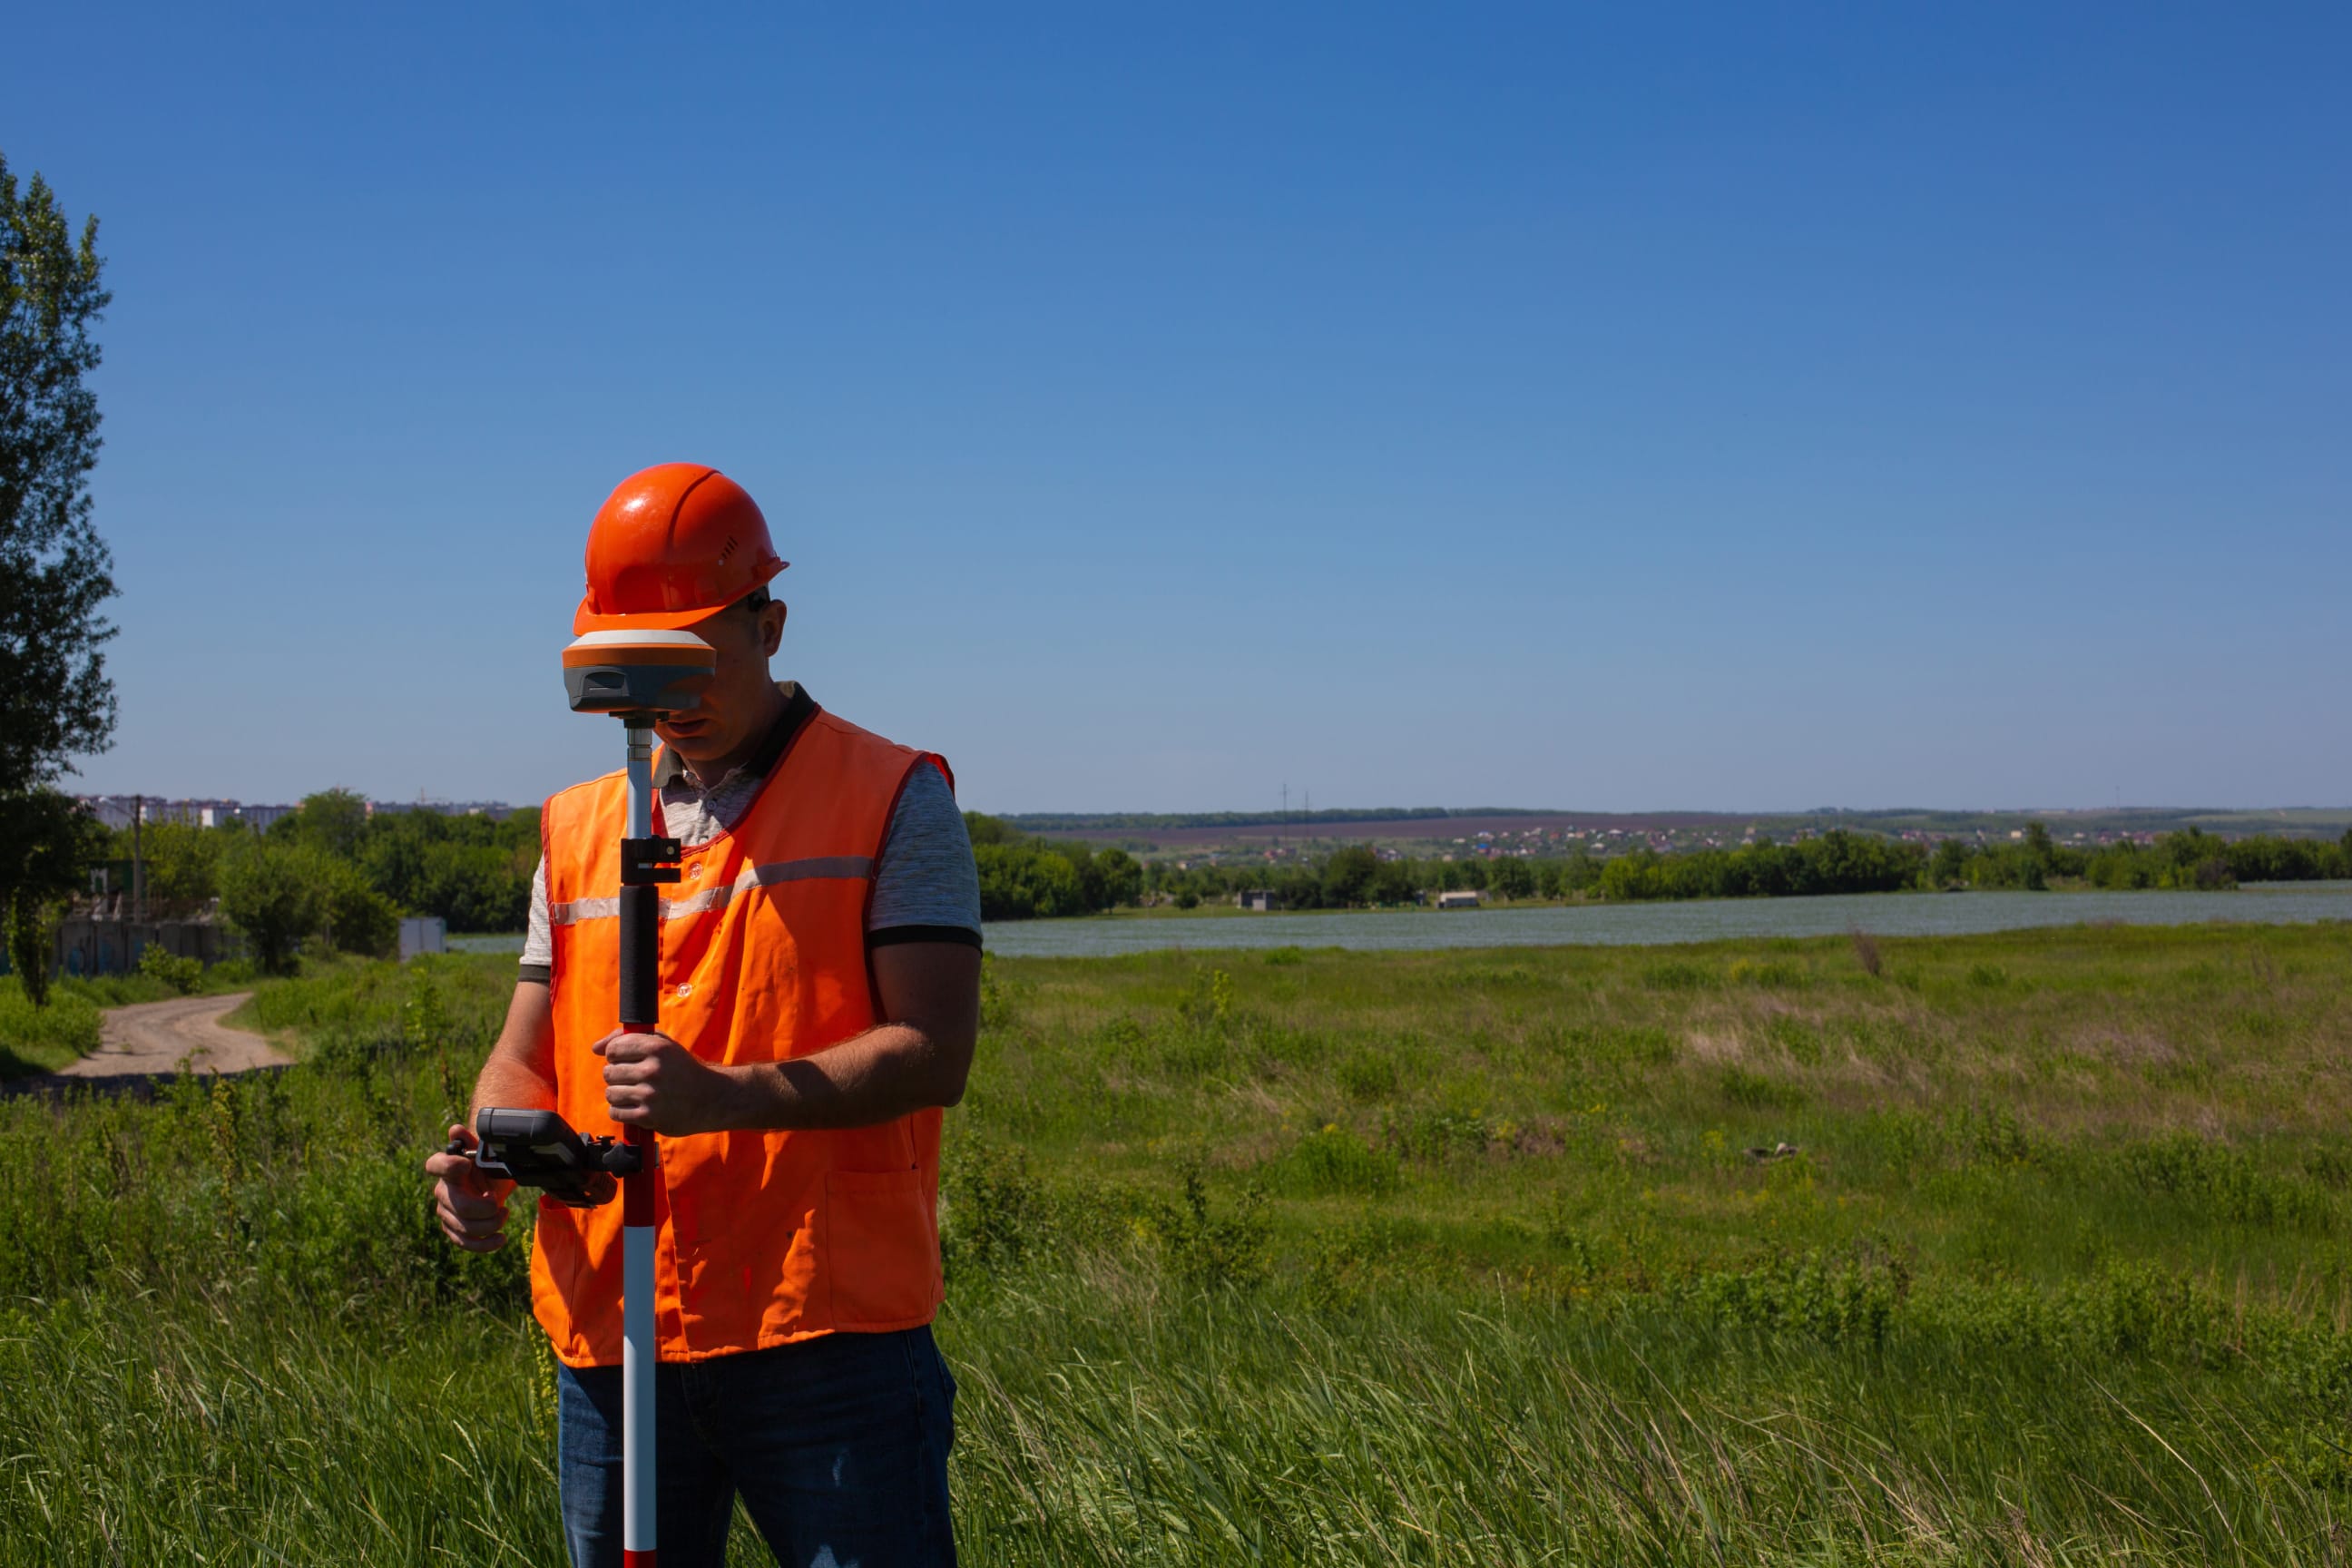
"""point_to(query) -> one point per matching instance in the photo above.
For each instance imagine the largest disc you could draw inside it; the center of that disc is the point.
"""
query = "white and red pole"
(640, 1010)
(636, 676)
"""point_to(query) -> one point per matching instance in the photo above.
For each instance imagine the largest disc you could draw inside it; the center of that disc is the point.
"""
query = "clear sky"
(1734, 407)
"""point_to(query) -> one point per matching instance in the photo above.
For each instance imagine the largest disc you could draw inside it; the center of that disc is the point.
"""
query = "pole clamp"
(645, 861)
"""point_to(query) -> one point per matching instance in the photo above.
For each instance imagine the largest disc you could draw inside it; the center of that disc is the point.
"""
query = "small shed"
(1260, 899)
(1461, 898)
(422, 933)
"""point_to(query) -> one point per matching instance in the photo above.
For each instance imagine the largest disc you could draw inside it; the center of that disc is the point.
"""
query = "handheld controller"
(538, 1149)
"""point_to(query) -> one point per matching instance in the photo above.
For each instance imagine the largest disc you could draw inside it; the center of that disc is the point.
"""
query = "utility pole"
(137, 861)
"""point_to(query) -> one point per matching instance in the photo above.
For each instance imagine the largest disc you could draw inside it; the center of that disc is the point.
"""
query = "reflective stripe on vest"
(855, 865)
(763, 1237)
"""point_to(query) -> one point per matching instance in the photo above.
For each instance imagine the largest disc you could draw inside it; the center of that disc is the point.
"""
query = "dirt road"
(157, 1037)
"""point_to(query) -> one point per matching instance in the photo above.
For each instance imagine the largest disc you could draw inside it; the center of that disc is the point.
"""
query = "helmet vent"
(727, 550)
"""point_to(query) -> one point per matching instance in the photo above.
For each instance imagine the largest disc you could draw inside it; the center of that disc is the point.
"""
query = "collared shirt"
(925, 887)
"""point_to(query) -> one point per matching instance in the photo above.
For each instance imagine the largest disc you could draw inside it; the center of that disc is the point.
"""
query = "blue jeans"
(838, 1444)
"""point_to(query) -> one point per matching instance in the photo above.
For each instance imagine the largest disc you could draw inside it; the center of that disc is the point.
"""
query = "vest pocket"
(880, 1248)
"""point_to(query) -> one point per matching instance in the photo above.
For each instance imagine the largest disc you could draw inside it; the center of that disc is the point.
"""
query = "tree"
(333, 820)
(182, 863)
(359, 918)
(1393, 883)
(277, 894)
(1111, 877)
(1348, 875)
(54, 698)
(46, 844)
(1513, 878)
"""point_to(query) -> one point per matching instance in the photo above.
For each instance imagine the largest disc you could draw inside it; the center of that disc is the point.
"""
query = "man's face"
(738, 699)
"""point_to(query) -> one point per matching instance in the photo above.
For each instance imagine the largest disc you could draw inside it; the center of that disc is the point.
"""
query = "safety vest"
(763, 1238)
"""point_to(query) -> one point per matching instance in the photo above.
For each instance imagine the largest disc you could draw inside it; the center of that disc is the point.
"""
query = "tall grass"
(2039, 1258)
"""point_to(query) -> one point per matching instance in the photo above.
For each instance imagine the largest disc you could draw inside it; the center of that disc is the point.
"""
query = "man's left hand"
(652, 1081)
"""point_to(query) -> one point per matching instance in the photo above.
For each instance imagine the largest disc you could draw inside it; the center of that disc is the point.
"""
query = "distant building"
(1461, 898)
(1260, 899)
(118, 811)
(422, 933)
(97, 936)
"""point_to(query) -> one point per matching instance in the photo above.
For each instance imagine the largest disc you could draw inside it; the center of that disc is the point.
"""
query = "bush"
(1333, 1160)
(182, 974)
(359, 918)
(32, 1036)
(1205, 1247)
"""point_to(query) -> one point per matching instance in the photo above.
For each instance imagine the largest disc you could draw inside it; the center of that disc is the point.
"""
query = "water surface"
(1703, 920)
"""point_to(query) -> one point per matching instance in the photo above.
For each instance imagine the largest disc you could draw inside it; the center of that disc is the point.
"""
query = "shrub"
(1333, 1160)
(1205, 1247)
(182, 974)
(2222, 1181)
(1755, 1091)
(1676, 974)
(360, 920)
(1368, 1074)
(995, 1213)
(67, 1027)
(1430, 1134)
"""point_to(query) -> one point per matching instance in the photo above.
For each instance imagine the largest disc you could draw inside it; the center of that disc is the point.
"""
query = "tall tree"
(55, 574)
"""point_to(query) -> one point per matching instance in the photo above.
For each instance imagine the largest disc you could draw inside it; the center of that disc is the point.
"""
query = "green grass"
(1322, 1257)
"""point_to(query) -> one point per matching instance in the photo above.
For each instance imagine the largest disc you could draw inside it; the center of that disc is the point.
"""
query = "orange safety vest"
(763, 1238)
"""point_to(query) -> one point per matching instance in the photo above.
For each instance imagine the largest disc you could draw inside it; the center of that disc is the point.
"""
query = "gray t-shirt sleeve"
(537, 944)
(926, 876)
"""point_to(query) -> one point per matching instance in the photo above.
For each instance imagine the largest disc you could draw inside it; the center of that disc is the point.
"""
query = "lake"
(1707, 920)
(1703, 920)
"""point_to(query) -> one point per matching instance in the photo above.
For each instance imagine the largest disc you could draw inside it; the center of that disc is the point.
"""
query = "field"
(2022, 1248)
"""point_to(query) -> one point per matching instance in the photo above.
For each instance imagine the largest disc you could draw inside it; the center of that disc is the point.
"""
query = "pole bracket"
(646, 861)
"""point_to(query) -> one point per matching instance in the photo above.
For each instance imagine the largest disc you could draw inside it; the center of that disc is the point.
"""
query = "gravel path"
(155, 1037)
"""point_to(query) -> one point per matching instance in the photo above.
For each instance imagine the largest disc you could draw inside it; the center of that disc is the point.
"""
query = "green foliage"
(1348, 874)
(473, 872)
(46, 843)
(182, 974)
(1026, 879)
(1213, 1245)
(333, 821)
(181, 863)
(1368, 1074)
(1997, 1311)
(56, 700)
(1332, 1160)
(1836, 862)
(1513, 877)
(36, 1037)
(357, 918)
(277, 894)
(1022, 882)
(994, 1216)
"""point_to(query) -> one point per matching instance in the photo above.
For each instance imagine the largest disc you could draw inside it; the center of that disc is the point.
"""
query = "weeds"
(1363, 1257)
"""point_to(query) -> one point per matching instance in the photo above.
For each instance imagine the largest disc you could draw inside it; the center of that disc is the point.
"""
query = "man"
(820, 994)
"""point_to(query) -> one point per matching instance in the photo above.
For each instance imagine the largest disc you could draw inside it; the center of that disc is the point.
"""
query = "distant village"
(1556, 840)
(120, 811)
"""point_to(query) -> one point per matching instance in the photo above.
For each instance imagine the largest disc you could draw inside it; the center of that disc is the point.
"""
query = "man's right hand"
(471, 1205)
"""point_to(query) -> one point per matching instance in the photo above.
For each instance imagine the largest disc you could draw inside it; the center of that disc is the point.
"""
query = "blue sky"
(1715, 406)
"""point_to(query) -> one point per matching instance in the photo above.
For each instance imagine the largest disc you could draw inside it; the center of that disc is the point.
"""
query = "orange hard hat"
(673, 544)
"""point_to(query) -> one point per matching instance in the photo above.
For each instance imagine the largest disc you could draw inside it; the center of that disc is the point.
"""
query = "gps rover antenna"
(637, 676)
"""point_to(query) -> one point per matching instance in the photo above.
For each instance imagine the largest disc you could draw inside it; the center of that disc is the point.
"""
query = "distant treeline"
(1141, 821)
(1023, 877)
(330, 869)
